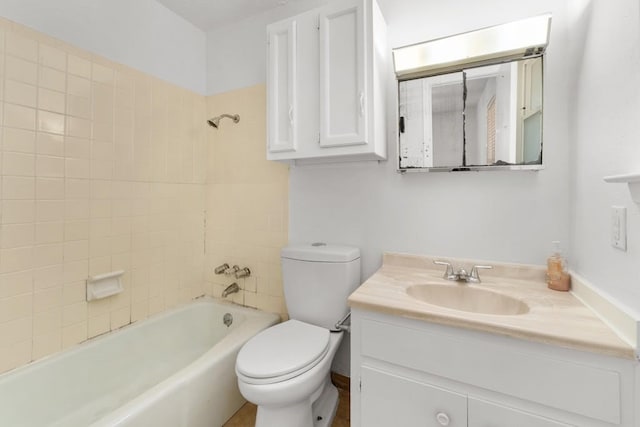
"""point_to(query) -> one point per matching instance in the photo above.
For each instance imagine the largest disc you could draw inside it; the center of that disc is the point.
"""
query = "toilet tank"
(317, 280)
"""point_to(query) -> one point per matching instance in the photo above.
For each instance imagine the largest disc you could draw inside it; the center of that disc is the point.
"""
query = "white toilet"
(285, 370)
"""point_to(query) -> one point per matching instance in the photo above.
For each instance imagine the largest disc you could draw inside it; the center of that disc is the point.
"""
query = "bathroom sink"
(470, 299)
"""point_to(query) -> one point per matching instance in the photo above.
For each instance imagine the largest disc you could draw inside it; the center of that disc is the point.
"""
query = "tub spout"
(231, 289)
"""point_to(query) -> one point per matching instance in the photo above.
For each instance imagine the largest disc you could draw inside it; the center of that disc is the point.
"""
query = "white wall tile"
(21, 46)
(18, 140)
(18, 211)
(51, 100)
(52, 79)
(18, 116)
(20, 70)
(20, 93)
(50, 144)
(53, 57)
(18, 164)
(17, 235)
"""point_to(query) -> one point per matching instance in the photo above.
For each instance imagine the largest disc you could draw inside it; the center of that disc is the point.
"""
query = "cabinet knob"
(442, 418)
(361, 103)
(291, 115)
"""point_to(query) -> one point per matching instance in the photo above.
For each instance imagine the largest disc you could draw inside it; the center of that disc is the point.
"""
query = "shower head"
(214, 122)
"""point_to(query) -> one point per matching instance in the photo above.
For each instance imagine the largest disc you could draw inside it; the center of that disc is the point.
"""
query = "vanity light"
(524, 38)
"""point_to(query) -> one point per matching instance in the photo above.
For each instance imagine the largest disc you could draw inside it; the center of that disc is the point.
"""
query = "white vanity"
(530, 357)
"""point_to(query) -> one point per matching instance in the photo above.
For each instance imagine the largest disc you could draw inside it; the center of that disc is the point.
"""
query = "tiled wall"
(247, 201)
(104, 168)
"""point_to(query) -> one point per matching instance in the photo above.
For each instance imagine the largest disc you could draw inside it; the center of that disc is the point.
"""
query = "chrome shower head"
(214, 122)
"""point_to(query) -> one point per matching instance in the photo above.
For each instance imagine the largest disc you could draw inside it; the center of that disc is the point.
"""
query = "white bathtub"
(175, 370)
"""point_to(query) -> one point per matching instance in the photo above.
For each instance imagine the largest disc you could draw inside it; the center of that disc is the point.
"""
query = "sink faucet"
(231, 289)
(461, 274)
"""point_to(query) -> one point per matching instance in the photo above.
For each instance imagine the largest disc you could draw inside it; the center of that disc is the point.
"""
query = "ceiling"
(209, 14)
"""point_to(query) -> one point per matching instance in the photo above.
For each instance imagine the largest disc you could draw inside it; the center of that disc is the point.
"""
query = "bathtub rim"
(90, 342)
(255, 321)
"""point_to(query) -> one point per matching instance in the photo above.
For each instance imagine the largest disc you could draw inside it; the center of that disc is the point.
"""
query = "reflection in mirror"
(481, 117)
(447, 120)
(490, 115)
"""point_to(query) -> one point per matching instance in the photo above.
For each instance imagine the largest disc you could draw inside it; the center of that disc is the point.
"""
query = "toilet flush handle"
(342, 324)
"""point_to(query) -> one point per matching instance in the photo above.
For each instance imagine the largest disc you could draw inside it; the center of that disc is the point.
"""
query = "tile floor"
(246, 416)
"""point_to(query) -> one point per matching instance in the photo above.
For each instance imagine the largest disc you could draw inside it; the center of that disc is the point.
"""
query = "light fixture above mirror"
(500, 43)
(473, 101)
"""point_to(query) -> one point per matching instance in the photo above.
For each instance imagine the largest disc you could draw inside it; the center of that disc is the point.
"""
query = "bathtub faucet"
(231, 289)
(221, 268)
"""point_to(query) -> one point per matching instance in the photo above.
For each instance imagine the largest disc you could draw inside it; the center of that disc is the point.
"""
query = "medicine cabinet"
(473, 101)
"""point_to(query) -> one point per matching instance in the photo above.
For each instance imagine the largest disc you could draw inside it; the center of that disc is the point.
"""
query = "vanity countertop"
(557, 318)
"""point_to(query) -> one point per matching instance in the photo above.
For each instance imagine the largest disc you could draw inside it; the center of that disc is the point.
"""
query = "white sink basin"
(470, 299)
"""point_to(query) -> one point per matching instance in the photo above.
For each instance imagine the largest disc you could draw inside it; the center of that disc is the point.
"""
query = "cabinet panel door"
(391, 400)
(487, 414)
(281, 87)
(343, 103)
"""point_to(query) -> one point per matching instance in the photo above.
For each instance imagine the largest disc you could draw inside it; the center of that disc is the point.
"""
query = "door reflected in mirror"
(481, 118)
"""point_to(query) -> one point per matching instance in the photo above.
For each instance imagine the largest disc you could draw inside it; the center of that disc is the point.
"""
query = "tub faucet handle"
(245, 272)
(221, 268)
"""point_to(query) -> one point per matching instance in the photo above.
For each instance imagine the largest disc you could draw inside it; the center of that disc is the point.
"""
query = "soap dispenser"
(558, 278)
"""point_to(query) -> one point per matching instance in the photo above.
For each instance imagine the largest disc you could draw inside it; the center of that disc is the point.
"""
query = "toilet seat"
(282, 352)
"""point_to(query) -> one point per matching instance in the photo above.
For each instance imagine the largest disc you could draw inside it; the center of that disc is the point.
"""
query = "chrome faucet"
(461, 274)
(231, 289)
(232, 270)
(221, 268)
(245, 272)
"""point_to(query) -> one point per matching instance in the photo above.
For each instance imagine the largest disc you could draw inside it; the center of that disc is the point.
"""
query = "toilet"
(285, 369)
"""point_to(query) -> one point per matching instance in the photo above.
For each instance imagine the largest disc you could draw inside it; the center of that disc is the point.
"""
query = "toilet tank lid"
(321, 252)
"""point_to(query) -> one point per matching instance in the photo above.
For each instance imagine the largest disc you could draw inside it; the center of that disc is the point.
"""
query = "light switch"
(619, 227)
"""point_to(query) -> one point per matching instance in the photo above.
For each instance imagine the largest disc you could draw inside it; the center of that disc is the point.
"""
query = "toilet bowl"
(285, 371)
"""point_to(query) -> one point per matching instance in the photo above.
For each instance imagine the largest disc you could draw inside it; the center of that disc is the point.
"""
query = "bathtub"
(175, 369)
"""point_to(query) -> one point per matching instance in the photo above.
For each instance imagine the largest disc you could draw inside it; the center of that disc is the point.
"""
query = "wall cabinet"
(282, 109)
(414, 373)
(327, 75)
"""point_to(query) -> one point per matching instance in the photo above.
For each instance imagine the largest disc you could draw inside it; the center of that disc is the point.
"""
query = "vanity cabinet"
(489, 414)
(415, 373)
(392, 400)
(388, 399)
(327, 74)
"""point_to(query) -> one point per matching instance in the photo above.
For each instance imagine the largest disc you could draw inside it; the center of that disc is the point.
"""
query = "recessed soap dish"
(104, 285)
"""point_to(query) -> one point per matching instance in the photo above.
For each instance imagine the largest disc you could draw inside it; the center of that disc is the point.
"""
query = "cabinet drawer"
(477, 360)
(487, 414)
(392, 400)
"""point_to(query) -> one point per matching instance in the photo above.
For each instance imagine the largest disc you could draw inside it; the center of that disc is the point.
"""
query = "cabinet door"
(281, 87)
(487, 414)
(391, 400)
(343, 103)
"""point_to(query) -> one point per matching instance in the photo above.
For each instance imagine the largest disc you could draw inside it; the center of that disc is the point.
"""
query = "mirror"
(487, 117)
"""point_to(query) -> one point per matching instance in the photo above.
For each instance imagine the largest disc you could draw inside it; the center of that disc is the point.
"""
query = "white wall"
(506, 216)
(605, 110)
(142, 34)
(236, 53)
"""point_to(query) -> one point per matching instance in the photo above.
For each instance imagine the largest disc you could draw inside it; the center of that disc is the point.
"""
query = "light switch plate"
(619, 227)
